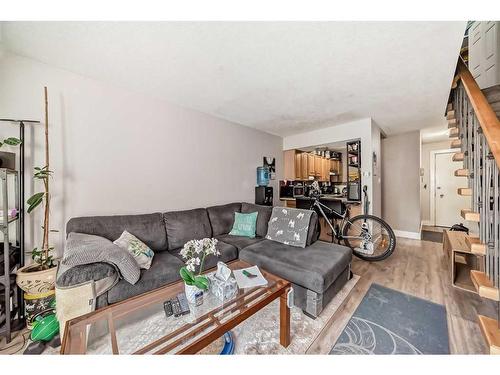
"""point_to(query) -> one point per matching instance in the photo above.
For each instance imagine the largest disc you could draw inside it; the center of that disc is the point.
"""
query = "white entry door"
(447, 202)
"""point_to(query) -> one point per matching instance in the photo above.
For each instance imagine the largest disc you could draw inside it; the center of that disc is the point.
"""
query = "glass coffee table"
(139, 325)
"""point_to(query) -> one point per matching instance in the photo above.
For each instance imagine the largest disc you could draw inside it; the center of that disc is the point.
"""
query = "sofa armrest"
(70, 276)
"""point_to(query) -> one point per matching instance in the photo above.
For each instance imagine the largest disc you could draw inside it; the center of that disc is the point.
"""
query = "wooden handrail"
(486, 116)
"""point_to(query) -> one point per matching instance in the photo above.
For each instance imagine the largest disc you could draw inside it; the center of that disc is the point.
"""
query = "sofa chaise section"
(312, 270)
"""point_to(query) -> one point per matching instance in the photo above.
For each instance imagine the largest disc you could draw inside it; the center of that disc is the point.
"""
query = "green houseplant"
(194, 253)
(39, 277)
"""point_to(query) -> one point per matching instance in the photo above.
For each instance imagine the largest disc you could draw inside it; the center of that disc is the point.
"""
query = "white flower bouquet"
(194, 252)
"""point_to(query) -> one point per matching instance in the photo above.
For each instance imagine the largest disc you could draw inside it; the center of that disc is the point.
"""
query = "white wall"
(400, 181)
(376, 153)
(117, 152)
(363, 129)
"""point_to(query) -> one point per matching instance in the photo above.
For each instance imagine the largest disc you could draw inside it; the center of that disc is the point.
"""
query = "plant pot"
(36, 282)
(191, 291)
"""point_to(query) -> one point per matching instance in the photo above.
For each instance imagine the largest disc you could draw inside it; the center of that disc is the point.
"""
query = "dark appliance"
(286, 191)
(354, 171)
(299, 191)
(264, 195)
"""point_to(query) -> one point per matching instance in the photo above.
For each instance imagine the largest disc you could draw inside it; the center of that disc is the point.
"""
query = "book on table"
(244, 281)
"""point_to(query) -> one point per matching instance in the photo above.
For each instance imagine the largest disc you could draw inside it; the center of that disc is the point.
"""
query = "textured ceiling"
(280, 77)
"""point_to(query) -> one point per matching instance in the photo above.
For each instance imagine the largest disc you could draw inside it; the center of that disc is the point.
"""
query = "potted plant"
(39, 277)
(194, 253)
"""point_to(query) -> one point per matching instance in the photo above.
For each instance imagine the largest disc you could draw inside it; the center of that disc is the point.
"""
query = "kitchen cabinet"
(293, 165)
(311, 165)
(325, 169)
(300, 165)
(336, 169)
(304, 170)
(296, 165)
(317, 165)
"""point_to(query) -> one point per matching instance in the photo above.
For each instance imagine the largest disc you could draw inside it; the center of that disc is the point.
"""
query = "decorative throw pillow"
(143, 255)
(289, 226)
(244, 224)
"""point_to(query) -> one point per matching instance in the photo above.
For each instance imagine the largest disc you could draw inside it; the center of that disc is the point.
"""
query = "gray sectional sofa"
(317, 271)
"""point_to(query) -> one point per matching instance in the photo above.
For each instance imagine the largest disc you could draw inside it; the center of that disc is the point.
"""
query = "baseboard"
(405, 234)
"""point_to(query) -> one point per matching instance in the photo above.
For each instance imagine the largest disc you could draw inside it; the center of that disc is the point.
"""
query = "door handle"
(441, 195)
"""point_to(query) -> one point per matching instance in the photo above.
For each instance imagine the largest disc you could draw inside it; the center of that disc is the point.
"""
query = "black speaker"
(264, 195)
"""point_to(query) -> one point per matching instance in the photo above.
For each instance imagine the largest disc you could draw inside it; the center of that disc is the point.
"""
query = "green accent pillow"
(244, 224)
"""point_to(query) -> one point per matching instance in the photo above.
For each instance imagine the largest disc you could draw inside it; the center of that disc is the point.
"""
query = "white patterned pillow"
(289, 226)
(142, 254)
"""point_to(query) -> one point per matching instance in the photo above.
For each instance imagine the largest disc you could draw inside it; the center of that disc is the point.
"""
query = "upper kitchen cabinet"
(317, 166)
(311, 165)
(304, 166)
(293, 165)
(484, 53)
(325, 169)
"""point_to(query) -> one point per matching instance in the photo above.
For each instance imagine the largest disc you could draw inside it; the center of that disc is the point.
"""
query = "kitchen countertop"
(326, 197)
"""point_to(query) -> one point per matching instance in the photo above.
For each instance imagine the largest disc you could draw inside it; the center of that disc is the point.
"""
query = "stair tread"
(469, 215)
(475, 246)
(484, 286)
(465, 192)
(456, 143)
(459, 156)
(491, 333)
(463, 172)
(454, 133)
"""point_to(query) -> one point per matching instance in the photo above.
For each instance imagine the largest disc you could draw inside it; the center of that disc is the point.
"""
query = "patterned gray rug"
(391, 322)
(259, 334)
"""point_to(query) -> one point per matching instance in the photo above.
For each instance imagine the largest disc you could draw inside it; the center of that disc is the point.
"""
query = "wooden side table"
(462, 260)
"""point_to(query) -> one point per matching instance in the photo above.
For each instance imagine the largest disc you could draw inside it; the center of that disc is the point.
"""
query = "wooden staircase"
(472, 117)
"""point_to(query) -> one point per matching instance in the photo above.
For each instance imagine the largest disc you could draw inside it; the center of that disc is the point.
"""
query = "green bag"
(44, 329)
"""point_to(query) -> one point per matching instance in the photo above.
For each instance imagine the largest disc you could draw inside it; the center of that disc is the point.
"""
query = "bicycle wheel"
(369, 237)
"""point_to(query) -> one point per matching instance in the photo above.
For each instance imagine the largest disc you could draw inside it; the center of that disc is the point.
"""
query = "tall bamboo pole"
(45, 241)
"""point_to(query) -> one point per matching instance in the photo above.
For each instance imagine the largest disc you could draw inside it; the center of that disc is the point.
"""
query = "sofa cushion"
(315, 267)
(289, 226)
(227, 254)
(262, 218)
(222, 217)
(183, 226)
(238, 241)
(244, 224)
(149, 228)
(314, 229)
(164, 270)
(69, 276)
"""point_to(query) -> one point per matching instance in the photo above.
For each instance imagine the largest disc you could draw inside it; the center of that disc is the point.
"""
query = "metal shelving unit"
(14, 309)
(354, 171)
(12, 297)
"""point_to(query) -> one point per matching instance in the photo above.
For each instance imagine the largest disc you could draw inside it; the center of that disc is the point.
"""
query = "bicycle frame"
(320, 206)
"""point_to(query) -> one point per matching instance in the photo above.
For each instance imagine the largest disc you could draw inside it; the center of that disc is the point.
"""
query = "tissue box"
(223, 290)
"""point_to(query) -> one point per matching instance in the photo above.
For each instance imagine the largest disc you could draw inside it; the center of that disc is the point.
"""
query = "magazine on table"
(250, 277)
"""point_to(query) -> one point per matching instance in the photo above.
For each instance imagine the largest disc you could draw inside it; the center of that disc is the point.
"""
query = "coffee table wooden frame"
(75, 333)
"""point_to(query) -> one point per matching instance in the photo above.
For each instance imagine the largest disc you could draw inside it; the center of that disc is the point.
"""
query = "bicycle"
(369, 237)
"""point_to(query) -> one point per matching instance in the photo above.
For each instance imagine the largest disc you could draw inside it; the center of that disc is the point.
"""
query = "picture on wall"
(270, 163)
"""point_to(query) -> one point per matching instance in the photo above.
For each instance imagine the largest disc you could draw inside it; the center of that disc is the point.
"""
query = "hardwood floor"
(419, 268)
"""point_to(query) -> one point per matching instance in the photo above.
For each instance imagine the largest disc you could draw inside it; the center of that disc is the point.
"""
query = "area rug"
(260, 333)
(391, 322)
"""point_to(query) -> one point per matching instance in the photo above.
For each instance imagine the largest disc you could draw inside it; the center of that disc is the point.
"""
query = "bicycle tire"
(392, 238)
